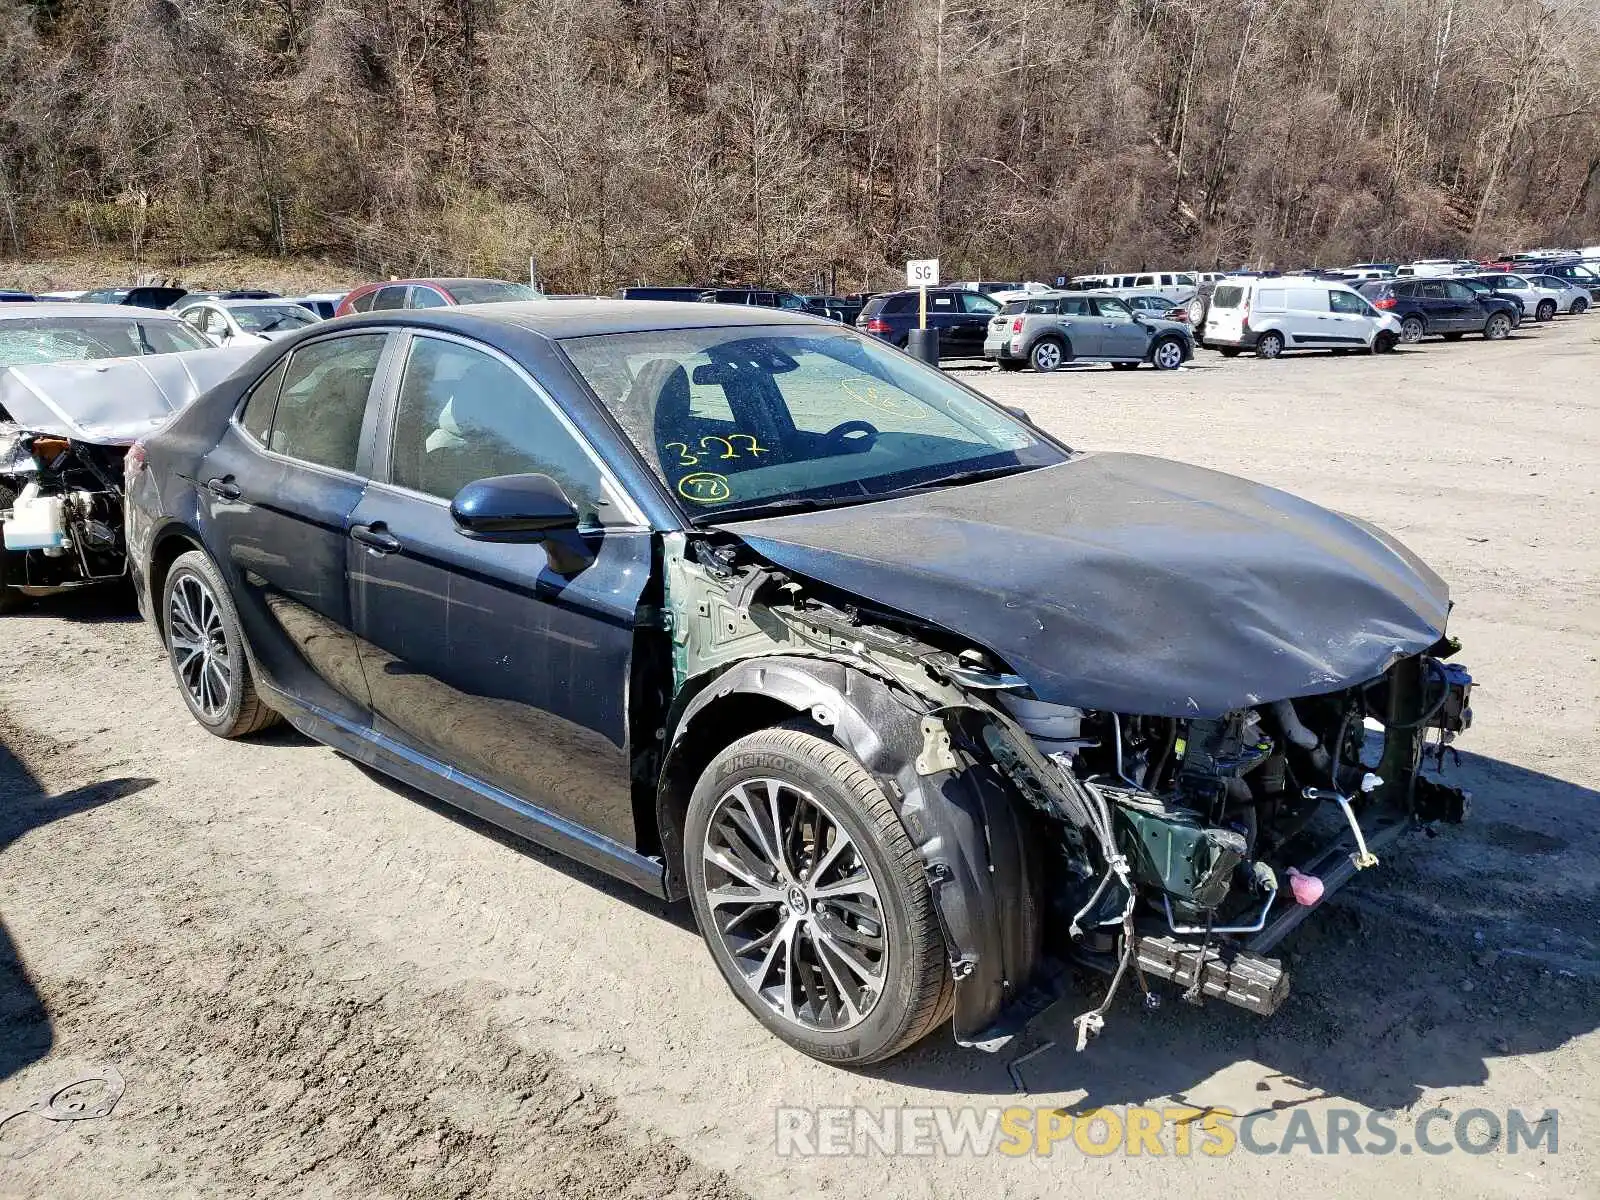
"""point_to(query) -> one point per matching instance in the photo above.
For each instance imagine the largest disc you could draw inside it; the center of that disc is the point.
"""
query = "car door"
(508, 662)
(277, 493)
(1461, 308)
(1120, 337)
(976, 311)
(1350, 317)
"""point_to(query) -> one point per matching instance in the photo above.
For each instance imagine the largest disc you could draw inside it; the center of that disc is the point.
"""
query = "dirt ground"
(315, 982)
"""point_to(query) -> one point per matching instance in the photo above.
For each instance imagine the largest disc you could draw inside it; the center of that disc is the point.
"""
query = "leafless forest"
(774, 141)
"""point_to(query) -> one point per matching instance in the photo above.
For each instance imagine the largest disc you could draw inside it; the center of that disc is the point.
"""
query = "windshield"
(30, 340)
(753, 419)
(272, 318)
(490, 291)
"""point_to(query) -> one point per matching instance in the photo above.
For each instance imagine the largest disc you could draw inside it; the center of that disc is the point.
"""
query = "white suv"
(1274, 314)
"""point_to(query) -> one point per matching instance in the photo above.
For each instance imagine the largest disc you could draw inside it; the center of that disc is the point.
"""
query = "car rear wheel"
(813, 900)
(1047, 354)
(1411, 330)
(206, 649)
(1546, 311)
(1497, 327)
(1269, 344)
(1167, 355)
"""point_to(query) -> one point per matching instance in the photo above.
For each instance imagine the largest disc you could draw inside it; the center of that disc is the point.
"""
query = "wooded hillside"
(768, 141)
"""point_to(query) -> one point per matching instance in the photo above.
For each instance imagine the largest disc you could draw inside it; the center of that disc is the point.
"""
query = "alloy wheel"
(1169, 356)
(199, 646)
(794, 902)
(1046, 356)
(1411, 331)
(1499, 327)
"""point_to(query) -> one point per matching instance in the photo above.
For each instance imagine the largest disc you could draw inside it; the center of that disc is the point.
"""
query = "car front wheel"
(1167, 355)
(813, 900)
(206, 649)
(1497, 327)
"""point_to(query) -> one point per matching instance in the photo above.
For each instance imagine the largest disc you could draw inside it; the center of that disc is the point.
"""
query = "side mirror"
(513, 508)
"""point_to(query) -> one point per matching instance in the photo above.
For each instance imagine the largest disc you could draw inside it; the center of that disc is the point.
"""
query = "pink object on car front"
(1307, 889)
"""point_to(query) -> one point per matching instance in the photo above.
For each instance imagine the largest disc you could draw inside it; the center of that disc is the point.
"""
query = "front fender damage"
(911, 713)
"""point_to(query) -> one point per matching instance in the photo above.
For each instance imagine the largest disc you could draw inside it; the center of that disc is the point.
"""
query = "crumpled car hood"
(1131, 584)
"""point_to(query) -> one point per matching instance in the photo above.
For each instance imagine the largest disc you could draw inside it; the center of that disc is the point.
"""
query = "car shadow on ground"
(1456, 953)
(102, 604)
(674, 913)
(26, 1033)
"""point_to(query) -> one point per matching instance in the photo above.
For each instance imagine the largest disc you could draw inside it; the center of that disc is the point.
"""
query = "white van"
(1434, 268)
(1176, 286)
(1275, 314)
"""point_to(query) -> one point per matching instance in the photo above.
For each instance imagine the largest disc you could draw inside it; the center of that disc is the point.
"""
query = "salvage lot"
(315, 981)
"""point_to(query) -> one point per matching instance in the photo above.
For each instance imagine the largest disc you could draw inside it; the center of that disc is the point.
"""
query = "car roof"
(66, 308)
(224, 302)
(583, 317)
(443, 281)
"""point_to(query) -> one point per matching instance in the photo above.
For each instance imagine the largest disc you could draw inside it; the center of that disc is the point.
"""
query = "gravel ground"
(315, 982)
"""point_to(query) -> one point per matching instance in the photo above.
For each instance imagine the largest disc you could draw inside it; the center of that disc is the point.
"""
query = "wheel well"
(720, 724)
(169, 545)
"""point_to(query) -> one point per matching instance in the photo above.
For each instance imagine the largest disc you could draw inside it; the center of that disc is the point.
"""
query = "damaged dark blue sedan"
(917, 706)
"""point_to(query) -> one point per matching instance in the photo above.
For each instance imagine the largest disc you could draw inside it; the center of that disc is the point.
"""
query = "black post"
(924, 344)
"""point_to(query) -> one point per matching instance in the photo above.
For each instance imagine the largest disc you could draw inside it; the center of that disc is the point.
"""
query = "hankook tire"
(813, 900)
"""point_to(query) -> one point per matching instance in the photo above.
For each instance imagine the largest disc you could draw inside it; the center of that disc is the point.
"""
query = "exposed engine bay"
(60, 510)
(1149, 847)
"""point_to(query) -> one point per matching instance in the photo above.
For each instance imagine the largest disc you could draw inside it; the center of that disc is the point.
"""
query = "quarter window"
(464, 415)
(257, 415)
(324, 400)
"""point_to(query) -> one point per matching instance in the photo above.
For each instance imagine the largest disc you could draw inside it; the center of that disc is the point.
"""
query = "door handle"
(224, 488)
(376, 537)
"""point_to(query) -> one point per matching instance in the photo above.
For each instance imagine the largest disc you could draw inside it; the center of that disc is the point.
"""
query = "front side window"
(1348, 303)
(973, 302)
(1113, 309)
(1458, 291)
(742, 420)
(426, 297)
(465, 415)
(324, 400)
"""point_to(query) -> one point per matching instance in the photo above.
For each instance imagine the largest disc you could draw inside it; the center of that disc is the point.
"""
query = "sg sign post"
(922, 274)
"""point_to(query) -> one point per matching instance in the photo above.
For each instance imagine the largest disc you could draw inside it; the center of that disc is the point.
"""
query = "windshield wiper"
(783, 504)
(959, 477)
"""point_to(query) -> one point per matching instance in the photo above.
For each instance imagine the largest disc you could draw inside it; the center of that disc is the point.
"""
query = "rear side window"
(1227, 296)
(257, 415)
(1075, 306)
(389, 297)
(324, 399)
(899, 304)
